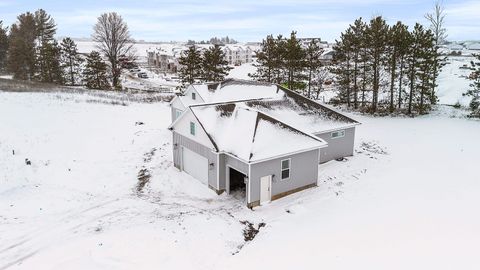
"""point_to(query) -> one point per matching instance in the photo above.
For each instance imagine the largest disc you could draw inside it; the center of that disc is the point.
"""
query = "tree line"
(290, 62)
(209, 65)
(29, 51)
(378, 66)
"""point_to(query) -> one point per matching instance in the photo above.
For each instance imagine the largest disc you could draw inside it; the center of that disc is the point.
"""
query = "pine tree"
(404, 40)
(49, 56)
(342, 65)
(357, 42)
(474, 92)
(21, 55)
(313, 61)
(294, 56)
(266, 63)
(95, 72)
(214, 65)
(71, 61)
(3, 47)
(395, 40)
(377, 36)
(48, 60)
(191, 65)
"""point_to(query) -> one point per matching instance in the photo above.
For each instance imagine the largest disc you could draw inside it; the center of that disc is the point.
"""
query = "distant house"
(257, 137)
(163, 61)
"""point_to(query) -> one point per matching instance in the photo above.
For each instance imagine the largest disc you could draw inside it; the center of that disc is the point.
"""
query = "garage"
(195, 165)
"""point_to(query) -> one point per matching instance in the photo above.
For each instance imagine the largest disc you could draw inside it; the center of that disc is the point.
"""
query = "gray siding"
(200, 149)
(226, 160)
(303, 172)
(338, 147)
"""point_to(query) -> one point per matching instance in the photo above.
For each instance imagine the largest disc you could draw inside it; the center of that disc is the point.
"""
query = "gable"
(188, 96)
(182, 126)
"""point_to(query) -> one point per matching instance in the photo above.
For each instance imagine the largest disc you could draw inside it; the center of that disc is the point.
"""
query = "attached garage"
(195, 165)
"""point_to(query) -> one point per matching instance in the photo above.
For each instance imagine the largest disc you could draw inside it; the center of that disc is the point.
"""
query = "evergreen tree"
(95, 72)
(313, 61)
(3, 47)
(474, 92)
(294, 56)
(49, 57)
(214, 65)
(342, 65)
(21, 49)
(191, 65)
(403, 42)
(48, 52)
(357, 42)
(395, 42)
(71, 61)
(45, 27)
(377, 40)
(266, 63)
(421, 57)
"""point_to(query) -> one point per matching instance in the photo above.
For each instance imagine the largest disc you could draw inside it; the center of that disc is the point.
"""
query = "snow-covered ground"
(408, 199)
(452, 81)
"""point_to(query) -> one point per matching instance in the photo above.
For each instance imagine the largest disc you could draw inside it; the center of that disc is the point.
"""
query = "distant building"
(167, 60)
(164, 61)
(237, 54)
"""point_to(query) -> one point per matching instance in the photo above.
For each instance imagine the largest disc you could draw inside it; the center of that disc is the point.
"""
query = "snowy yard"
(101, 193)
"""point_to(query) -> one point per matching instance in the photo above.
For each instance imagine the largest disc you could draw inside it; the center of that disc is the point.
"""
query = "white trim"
(282, 169)
(181, 116)
(218, 171)
(249, 183)
(288, 154)
(335, 129)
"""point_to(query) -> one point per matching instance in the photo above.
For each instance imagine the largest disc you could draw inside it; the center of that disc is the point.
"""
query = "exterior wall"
(176, 105)
(188, 96)
(183, 127)
(180, 141)
(337, 147)
(303, 172)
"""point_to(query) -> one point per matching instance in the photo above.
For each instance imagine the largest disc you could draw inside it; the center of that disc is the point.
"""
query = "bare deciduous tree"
(114, 41)
(437, 26)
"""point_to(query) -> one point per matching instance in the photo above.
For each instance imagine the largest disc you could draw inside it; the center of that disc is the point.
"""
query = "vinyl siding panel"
(303, 172)
(337, 147)
(180, 141)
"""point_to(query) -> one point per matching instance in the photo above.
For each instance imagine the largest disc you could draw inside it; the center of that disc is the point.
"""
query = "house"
(259, 138)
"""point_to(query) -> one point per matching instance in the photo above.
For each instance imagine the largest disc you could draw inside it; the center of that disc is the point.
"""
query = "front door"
(265, 189)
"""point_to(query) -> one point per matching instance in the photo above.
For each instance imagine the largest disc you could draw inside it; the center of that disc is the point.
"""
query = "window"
(194, 96)
(285, 169)
(177, 113)
(192, 128)
(338, 134)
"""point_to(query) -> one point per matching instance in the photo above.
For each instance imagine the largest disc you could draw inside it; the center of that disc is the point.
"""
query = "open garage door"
(195, 165)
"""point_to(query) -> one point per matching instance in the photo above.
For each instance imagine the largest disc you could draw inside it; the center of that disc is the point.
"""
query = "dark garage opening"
(237, 183)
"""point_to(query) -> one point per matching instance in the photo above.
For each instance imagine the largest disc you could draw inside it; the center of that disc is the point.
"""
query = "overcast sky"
(244, 20)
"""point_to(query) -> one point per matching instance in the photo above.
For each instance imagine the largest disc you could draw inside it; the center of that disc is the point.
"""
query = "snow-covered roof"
(249, 134)
(234, 89)
(276, 101)
(302, 113)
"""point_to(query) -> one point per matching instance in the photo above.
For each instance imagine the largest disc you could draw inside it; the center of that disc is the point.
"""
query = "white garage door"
(195, 165)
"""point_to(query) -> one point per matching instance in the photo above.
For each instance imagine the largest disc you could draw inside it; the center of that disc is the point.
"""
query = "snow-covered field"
(408, 199)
